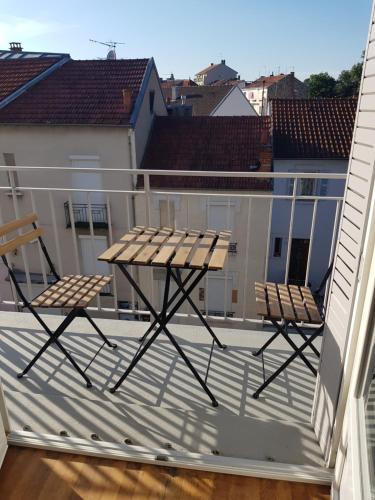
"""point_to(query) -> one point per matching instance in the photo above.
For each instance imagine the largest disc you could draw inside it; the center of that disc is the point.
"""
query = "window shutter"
(357, 198)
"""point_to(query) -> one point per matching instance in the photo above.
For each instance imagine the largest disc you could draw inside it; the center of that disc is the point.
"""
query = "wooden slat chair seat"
(288, 302)
(73, 292)
(286, 305)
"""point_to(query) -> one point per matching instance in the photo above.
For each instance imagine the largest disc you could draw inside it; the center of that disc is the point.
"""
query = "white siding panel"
(355, 200)
(353, 215)
(358, 185)
(365, 120)
(350, 229)
(370, 51)
(360, 169)
(367, 102)
(369, 71)
(347, 257)
(348, 243)
(364, 153)
(365, 135)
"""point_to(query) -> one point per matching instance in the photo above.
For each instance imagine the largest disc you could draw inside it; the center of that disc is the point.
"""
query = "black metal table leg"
(197, 311)
(163, 319)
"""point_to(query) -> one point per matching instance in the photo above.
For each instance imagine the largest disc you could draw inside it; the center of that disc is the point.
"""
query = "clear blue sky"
(255, 37)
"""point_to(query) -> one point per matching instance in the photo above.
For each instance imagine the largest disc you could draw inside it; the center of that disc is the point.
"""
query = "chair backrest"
(22, 239)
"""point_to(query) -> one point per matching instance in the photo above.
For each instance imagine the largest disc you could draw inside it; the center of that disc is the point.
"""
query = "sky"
(254, 37)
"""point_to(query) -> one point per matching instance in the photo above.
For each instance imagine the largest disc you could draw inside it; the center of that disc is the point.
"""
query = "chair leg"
(269, 341)
(54, 339)
(298, 352)
(85, 314)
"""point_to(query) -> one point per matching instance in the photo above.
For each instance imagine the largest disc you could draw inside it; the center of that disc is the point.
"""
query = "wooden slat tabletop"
(149, 246)
(289, 302)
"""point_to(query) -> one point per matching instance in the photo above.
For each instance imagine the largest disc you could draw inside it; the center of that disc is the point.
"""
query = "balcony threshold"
(172, 458)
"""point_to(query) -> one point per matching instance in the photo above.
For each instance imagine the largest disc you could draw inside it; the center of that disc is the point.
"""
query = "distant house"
(169, 83)
(265, 88)
(207, 100)
(237, 144)
(313, 136)
(215, 72)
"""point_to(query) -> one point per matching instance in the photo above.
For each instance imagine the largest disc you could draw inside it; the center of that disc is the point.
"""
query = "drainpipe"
(133, 166)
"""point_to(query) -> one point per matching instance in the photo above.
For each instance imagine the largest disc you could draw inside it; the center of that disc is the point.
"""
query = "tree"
(347, 84)
(321, 85)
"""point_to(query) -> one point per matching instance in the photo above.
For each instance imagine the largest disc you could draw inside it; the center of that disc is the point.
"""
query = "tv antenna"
(111, 45)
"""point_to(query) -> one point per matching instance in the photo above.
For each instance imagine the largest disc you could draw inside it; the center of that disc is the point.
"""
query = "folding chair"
(287, 305)
(73, 292)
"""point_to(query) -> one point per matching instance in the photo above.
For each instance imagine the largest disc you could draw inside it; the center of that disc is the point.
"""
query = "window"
(305, 187)
(277, 246)
(151, 97)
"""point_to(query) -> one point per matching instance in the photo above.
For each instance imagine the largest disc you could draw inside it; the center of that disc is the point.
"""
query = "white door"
(87, 180)
(220, 216)
(90, 248)
(217, 294)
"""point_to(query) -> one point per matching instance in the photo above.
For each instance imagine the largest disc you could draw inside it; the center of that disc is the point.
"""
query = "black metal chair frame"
(161, 320)
(282, 329)
(54, 336)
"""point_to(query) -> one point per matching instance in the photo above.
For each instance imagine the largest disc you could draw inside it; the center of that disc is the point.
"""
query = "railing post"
(146, 182)
(290, 235)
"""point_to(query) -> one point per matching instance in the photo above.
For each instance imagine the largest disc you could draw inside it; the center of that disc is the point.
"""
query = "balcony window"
(81, 214)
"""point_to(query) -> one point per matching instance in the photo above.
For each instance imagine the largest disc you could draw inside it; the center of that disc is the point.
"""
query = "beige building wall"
(56, 146)
(193, 212)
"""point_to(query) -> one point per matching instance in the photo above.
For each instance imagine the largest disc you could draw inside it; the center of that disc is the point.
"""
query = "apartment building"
(215, 72)
(82, 114)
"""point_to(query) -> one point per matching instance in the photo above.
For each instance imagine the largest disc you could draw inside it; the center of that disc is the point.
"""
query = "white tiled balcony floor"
(161, 401)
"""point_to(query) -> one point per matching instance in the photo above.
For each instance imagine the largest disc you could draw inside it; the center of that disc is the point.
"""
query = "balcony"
(161, 411)
(83, 215)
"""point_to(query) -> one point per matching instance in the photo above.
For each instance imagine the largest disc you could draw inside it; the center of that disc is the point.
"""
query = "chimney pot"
(223, 61)
(15, 47)
(127, 100)
(211, 64)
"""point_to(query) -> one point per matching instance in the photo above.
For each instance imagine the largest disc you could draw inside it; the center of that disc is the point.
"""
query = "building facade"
(265, 88)
(309, 136)
(215, 72)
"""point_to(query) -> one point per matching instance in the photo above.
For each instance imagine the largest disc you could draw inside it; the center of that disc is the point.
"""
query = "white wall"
(234, 104)
(145, 117)
(219, 72)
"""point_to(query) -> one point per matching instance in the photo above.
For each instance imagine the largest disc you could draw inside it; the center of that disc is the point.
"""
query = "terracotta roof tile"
(209, 143)
(14, 73)
(266, 80)
(312, 128)
(80, 92)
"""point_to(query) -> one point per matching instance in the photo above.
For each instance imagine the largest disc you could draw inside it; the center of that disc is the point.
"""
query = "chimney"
(211, 64)
(175, 93)
(15, 47)
(223, 61)
(127, 100)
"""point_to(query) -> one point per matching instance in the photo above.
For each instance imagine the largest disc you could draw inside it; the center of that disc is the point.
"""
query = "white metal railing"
(15, 205)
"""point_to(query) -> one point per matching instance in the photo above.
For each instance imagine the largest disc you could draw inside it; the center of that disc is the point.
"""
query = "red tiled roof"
(312, 128)
(267, 81)
(209, 143)
(80, 92)
(17, 72)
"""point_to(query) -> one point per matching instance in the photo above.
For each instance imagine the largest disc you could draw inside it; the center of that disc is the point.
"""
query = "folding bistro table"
(175, 250)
